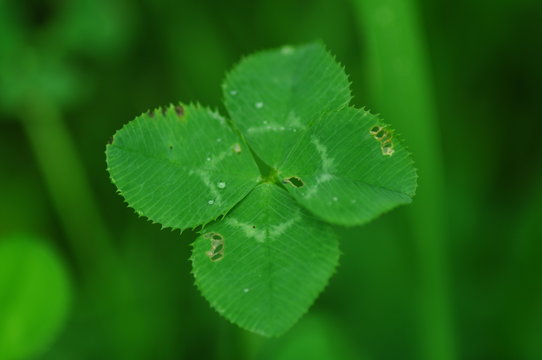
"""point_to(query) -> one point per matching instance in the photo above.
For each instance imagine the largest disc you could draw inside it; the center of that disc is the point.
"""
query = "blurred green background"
(456, 275)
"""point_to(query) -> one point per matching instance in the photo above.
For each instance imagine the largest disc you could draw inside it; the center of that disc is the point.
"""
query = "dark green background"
(457, 275)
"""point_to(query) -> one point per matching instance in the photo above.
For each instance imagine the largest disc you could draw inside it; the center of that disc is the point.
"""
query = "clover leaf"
(263, 187)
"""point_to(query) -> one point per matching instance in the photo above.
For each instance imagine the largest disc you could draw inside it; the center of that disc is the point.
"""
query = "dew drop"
(208, 159)
(335, 198)
(219, 140)
(282, 128)
(246, 290)
(210, 202)
(259, 105)
(221, 185)
(233, 92)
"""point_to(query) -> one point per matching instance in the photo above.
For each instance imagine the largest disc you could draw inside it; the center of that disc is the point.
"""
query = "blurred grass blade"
(69, 188)
(401, 85)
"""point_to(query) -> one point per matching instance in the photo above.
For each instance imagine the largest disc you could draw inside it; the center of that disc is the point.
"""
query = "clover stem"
(401, 87)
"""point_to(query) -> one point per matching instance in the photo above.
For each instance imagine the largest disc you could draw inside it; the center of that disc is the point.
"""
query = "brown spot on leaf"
(179, 110)
(216, 253)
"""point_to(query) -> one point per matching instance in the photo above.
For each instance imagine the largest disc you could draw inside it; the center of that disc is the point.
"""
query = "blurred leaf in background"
(35, 296)
(317, 337)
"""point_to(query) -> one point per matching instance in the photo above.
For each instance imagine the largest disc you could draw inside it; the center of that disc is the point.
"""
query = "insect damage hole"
(384, 137)
(295, 181)
(216, 253)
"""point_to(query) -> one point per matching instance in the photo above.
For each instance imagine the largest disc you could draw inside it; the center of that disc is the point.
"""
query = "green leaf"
(273, 95)
(349, 167)
(34, 297)
(181, 167)
(265, 263)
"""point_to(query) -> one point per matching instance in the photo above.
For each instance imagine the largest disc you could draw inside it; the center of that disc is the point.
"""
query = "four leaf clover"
(263, 186)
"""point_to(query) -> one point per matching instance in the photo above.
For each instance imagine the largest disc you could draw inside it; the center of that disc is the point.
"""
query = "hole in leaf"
(170, 147)
(151, 113)
(216, 257)
(219, 248)
(388, 151)
(375, 129)
(216, 252)
(295, 181)
(384, 137)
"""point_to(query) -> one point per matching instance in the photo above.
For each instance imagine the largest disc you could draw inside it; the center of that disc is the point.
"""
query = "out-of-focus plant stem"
(69, 189)
(400, 85)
